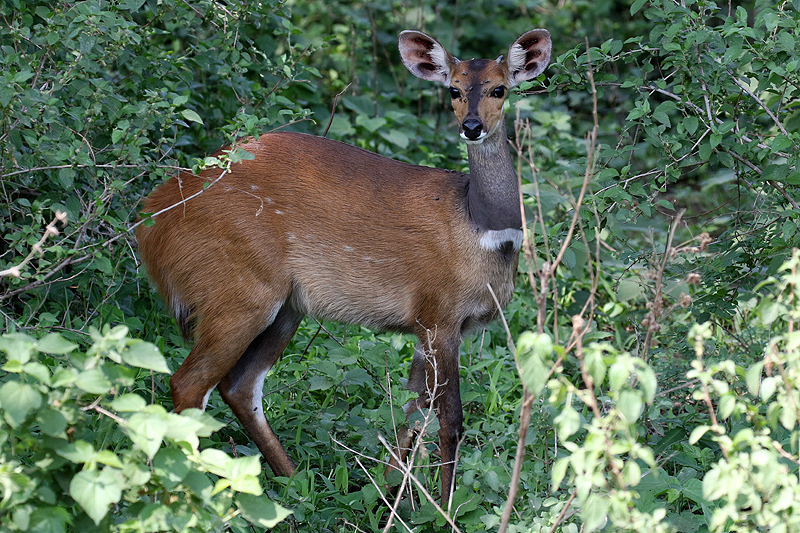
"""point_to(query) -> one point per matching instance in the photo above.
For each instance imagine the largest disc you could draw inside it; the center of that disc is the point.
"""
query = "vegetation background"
(652, 348)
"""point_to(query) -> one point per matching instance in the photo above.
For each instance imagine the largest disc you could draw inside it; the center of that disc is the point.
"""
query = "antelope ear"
(425, 57)
(529, 55)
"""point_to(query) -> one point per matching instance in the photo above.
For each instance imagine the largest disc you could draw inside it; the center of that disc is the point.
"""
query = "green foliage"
(643, 421)
(81, 449)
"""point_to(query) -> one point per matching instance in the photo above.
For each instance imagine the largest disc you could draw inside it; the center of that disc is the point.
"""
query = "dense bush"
(655, 321)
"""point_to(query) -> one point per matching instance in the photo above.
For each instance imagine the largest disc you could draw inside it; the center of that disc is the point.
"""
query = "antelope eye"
(499, 92)
(454, 93)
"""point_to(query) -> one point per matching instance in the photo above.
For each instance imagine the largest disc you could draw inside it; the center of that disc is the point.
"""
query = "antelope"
(312, 226)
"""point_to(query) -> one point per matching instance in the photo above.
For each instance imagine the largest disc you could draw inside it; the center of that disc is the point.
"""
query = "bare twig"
(563, 512)
(333, 108)
(49, 231)
(652, 320)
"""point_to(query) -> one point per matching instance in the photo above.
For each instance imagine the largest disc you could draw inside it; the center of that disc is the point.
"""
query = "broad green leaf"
(95, 491)
(79, 451)
(697, 433)
(356, 376)
(261, 511)
(107, 457)
(215, 461)
(637, 5)
(196, 420)
(46, 519)
(191, 116)
(18, 400)
(535, 354)
(54, 343)
(768, 387)
(128, 403)
(753, 377)
(396, 137)
(51, 422)
(18, 347)
(558, 472)
(171, 465)
(594, 512)
(631, 405)
(371, 124)
(568, 422)
(726, 405)
(147, 430)
(492, 480)
(38, 370)
(93, 381)
(628, 290)
(145, 355)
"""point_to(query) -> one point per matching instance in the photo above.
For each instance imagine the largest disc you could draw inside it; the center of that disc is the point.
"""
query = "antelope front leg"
(442, 371)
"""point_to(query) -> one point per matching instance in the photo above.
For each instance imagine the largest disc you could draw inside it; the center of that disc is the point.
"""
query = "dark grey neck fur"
(493, 196)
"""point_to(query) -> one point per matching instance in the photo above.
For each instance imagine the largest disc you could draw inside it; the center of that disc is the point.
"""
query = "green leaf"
(191, 116)
(568, 422)
(51, 422)
(79, 451)
(54, 343)
(690, 125)
(95, 491)
(768, 387)
(128, 403)
(46, 519)
(371, 124)
(147, 430)
(261, 511)
(215, 461)
(753, 378)
(780, 143)
(492, 480)
(637, 5)
(726, 405)
(18, 400)
(535, 354)
(172, 466)
(559, 471)
(395, 137)
(594, 512)
(697, 434)
(631, 405)
(93, 381)
(18, 347)
(145, 355)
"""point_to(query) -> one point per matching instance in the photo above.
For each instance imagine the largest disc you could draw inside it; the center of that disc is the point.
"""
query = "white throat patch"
(494, 239)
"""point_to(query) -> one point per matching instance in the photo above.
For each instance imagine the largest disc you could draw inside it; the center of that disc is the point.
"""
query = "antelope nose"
(472, 128)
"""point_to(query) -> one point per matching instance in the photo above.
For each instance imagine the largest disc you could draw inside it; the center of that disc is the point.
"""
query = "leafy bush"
(82, 450)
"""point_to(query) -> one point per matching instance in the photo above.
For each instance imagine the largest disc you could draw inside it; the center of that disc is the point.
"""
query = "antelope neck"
(493, 195)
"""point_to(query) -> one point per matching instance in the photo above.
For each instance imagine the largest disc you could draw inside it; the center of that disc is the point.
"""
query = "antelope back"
(339, 232)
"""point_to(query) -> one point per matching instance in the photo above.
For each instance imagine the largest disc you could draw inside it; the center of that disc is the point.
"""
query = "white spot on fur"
(268, 200)
(348, 248)
(493, 239)
(206, 397)
(290, 236)
(254, 187)
(258, 392)
(278, 212)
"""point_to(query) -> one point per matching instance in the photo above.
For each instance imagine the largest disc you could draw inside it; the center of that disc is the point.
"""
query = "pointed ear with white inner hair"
(425, 57)
(529, 55)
